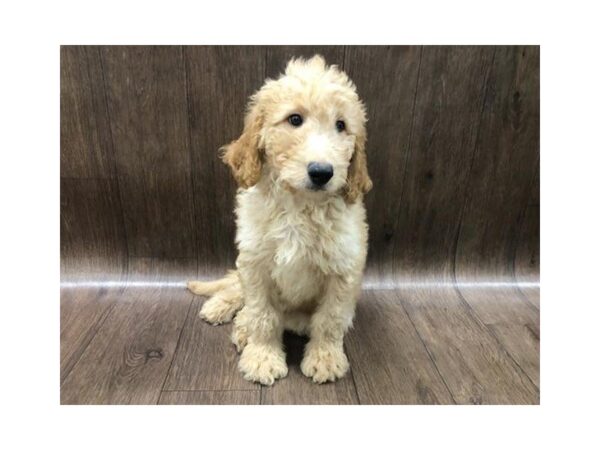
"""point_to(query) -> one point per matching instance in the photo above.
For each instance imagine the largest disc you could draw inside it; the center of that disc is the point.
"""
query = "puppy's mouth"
(315, 187)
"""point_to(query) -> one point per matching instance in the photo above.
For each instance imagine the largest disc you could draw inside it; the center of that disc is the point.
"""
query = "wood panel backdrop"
(453, 153)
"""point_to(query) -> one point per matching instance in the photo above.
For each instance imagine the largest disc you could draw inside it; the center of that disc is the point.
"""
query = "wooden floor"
(428, 344)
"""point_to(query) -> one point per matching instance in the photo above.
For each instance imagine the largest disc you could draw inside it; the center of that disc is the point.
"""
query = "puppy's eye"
(295, 120)
(340, 125)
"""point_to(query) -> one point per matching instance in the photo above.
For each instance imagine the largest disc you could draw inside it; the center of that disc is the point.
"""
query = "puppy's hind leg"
(226, 298)
(222, 306)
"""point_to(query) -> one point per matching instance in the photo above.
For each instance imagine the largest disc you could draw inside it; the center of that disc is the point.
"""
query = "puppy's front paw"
(239, 336)
(324, 363)
(263, 363)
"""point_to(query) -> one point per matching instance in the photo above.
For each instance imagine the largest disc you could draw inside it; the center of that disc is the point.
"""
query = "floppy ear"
(358, 177)
(244, 155)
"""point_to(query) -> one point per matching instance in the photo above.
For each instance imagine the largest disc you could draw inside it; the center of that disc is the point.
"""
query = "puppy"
(301, 224)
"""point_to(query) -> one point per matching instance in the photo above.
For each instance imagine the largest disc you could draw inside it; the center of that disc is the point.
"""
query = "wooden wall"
(453, 152)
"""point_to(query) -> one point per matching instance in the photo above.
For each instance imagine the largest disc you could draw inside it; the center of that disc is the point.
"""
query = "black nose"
(320, 173)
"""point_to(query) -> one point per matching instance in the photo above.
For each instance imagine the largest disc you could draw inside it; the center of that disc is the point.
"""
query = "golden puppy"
(301, 224)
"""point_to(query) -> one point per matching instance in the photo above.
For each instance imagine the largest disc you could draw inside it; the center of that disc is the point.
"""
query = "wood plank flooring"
(423, 345)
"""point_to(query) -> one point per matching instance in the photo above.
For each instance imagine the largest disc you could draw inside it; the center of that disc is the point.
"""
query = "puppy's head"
(306, 130)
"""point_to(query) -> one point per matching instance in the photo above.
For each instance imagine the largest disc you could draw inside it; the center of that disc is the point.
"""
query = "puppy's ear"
(358, 181)
(245, 154)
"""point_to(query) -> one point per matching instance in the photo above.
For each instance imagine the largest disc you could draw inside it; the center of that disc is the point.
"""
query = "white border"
(31, 34)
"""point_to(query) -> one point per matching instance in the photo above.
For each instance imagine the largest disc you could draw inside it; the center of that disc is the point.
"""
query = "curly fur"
(301, 251)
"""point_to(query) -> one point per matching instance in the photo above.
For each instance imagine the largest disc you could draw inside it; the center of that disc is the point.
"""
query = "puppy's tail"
(212, 287)
(226, 298)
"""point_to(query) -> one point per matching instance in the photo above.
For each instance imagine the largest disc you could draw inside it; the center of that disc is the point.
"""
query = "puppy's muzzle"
(319, 173)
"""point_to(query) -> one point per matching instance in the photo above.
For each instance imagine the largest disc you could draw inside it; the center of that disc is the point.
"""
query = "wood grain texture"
(93, 244)
(82, 312)
(92, 236)
(296, 389)
(503, 167)
(515, 324)
(85, 136)
(219, 82)
(447, 113)
(476, 368)
(534, 196)
(389, 362)
(209, 398)
(148, 113)
(206, 359)
(389, 92)
(127, 360)
(527, 256)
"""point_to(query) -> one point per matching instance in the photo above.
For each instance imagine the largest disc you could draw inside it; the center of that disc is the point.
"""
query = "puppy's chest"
(308, 246)
(300, 245)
